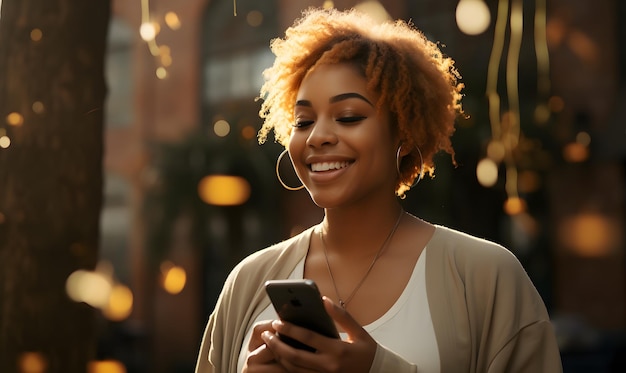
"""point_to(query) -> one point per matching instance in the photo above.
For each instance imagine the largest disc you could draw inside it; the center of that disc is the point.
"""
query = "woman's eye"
(351, 119)
(302, 123)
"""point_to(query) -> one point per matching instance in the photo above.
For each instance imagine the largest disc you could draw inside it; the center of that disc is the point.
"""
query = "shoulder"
(470, 252)
(274, 258)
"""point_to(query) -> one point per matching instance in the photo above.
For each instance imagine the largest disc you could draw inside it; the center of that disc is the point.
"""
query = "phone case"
(299, 302)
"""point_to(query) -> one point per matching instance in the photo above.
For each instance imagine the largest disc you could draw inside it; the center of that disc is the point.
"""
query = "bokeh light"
(556, 104)
(15, 119)
(38, 107)
(161, 72)
(106, 366)
(514, 206)
(487, 172)
(248, 132)
(472, 16)
(90, 287)
(496, 151)
(36, 34)
(588, 234)
(221, 128)
(147, 30)
(172, 21)
(120, 303)
(254, 18)
(224, 190)
(575, 152)
(32, 362)
(174, 277)
(5, 141)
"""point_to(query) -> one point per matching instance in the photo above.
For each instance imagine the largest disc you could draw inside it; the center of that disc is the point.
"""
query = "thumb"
(345, 320)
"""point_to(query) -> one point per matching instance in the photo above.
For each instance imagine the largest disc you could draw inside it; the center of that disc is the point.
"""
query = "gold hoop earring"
(280, 157)
(419, 175)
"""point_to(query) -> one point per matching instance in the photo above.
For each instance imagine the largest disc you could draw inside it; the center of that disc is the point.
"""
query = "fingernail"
(277, 324)
(266, 336)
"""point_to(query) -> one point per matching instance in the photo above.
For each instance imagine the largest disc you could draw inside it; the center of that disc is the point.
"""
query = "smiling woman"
(362, 107)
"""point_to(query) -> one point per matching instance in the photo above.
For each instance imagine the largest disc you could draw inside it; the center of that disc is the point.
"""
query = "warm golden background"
(187, 191)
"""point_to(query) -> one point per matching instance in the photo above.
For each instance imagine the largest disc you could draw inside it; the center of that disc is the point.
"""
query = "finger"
(261, 355)
(262, 360)
(293, 360)
(312, 339)
(255, 339)
(354, 330)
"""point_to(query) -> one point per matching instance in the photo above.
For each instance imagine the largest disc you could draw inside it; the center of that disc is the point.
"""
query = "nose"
(323, 132)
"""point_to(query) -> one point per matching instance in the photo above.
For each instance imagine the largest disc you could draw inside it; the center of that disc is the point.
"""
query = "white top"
(406, 328)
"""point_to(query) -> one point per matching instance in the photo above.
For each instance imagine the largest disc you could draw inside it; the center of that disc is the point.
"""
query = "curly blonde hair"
(413, 79)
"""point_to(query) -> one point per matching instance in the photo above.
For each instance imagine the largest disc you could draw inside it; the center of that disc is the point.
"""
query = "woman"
(362, 108)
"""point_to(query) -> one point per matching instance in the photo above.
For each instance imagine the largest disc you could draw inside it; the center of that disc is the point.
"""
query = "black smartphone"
(300, 303)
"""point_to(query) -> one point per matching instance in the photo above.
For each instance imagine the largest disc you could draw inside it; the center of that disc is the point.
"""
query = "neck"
(359, 231)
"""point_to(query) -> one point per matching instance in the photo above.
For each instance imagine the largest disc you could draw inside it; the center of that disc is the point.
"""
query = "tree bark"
(52, 75)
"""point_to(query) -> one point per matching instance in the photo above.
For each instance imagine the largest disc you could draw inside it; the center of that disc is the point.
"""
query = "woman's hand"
(260, 359)
(332, 355)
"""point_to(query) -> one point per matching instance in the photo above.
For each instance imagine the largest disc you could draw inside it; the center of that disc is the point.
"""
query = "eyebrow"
(334, 99)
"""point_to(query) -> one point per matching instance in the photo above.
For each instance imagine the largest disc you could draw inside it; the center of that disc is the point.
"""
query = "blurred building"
(183, 78)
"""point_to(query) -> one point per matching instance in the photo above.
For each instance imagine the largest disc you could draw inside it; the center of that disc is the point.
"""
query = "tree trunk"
(52, 93)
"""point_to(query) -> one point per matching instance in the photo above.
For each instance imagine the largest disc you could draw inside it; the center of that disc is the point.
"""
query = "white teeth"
(325, 166)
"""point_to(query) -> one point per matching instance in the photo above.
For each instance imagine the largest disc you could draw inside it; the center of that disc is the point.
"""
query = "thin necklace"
(343, 303)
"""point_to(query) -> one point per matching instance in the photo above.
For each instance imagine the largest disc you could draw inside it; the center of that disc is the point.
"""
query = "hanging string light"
(505, 121)
(149, 30)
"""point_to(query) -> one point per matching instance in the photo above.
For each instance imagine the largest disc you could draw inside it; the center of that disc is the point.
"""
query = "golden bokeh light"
(514, 206)
(106, 366)
(174, 278)
(32, 362)
(36, 34)
(248, 132)
(588, 234)
(120, 304)
(254, 18)
(147, 30)
(374, 9)
(487, 172)
(5, 142)
(328, 4)
(166, 60)
(496, 151)
(221, 128)
(224, 190)
(161, 72)
(38, 107)
(472, 16)
(90, 287)
(575, 152)
(583, 138)
(15, 119)
(172, 21)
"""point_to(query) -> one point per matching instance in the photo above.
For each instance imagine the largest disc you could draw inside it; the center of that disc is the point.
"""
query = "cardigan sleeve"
(387, 361)
(531, 350)
(510, 317)
(488, 316)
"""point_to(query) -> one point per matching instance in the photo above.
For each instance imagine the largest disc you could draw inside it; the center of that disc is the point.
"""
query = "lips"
(328, 166)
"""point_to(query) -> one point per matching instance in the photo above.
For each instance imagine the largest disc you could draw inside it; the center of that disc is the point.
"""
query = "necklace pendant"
(342, 304)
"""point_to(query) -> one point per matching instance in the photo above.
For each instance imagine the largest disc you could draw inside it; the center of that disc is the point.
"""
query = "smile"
(327, 166)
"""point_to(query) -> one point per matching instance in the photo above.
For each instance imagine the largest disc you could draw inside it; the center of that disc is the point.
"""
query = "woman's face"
(341, 147)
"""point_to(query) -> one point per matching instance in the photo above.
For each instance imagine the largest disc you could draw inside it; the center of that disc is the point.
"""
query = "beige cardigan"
(487, 315)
